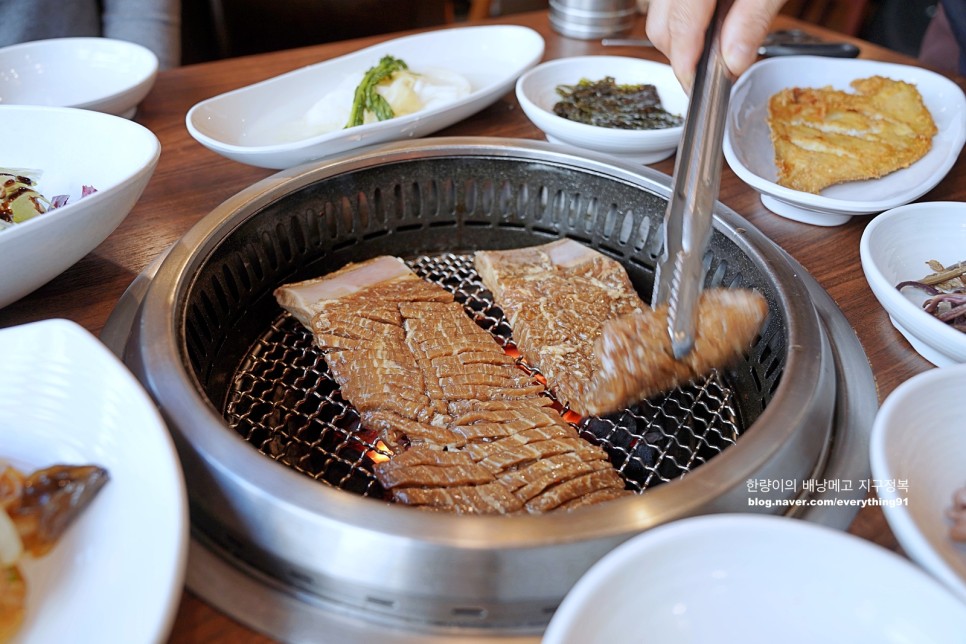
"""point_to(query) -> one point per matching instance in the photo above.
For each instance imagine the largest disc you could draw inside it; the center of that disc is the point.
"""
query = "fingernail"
(738, 57)
(686, 79)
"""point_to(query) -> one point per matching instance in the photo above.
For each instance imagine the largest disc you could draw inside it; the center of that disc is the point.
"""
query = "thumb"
(743, 30)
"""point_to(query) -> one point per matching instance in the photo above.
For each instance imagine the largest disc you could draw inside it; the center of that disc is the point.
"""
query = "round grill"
(278, 469)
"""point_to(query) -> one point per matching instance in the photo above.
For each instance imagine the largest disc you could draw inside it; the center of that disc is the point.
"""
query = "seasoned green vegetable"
(606, 104)
(367, 99)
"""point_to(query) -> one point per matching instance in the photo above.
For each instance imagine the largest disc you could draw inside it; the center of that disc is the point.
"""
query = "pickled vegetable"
(19, 200)
(35, 510)
(605, 103)
(946, 288)
(13, 600)
(51, 499)
(367, 99)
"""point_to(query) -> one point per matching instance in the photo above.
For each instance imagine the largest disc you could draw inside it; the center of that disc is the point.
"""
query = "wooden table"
(190, 181)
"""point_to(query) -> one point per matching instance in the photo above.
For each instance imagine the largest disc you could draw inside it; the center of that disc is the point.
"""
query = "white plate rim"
(477, 95)
(909, 534)
(148, 73)
(126, 129)
(155, 618)
(909, 317)
(587, 588)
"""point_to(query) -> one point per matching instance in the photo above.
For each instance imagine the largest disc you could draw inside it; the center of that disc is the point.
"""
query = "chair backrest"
(253, 26)
(844, 16)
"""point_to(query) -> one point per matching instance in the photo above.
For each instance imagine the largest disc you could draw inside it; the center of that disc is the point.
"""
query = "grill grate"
(283, 402)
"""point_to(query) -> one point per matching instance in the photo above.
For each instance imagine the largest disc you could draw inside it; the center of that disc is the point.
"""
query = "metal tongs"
(697, 174)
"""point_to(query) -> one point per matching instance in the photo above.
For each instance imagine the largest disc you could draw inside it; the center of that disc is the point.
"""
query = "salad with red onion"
(20, 200)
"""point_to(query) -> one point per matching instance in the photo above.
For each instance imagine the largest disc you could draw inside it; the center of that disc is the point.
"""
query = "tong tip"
(681, 344)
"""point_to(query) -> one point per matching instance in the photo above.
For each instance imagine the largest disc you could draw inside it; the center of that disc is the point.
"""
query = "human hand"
(677, 28)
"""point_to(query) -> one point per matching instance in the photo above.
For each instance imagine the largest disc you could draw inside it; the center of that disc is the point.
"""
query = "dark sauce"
(605, 103)
(12, 189)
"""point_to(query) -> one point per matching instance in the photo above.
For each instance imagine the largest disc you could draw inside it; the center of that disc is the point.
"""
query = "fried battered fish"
(826, 136)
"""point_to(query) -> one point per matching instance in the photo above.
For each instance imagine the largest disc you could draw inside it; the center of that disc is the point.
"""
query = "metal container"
(591, 19)
(294, 551)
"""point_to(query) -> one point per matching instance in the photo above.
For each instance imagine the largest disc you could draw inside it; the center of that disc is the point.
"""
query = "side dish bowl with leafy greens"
(626, 107)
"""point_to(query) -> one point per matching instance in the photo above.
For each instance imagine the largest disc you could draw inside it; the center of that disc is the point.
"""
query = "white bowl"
(757, 580)
(918, 445)
(71, 148)
(537, 92)
(749, 151)
(894, 248)
(258, 124)
(116, 575)
(100, 74)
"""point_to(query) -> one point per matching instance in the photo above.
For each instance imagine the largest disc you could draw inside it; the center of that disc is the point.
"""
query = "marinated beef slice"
(636, 360)
(470, 432)
(576, 317)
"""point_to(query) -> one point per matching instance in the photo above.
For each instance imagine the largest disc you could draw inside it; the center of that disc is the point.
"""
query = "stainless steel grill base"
(805, 392)
(276, 609)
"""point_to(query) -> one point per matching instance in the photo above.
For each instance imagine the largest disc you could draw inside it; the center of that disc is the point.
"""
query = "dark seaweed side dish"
(605, 103)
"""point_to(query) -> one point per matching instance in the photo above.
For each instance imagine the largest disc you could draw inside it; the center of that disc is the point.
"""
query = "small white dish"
(536, 91)
(116, 575)
(255, 124)
(758, 580)
(918, 452)
(71, 148)
(101, 74)
(894, 248)
(749, 151)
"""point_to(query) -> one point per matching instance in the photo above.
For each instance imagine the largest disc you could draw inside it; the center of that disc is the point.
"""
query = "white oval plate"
(116, 575)
(100, 74)
(253, 124)
(749, 151)
(919, 439)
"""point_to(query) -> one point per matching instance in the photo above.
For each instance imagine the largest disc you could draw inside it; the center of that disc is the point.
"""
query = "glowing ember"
(381, 454)
(572, 417)
(511, 350)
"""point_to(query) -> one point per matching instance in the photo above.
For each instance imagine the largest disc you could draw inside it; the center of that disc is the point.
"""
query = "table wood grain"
(190, 181)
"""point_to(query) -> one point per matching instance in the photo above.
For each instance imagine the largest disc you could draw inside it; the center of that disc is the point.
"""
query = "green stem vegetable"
(367, 99)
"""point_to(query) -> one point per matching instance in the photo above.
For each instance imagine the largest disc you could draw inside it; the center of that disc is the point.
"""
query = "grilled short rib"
(470, 432)
(577, 318)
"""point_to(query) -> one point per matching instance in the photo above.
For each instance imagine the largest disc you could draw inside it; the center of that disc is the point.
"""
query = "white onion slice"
(11, 547)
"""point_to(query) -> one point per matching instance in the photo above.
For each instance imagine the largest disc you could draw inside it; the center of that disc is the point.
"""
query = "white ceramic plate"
(748, 148)
(894, 248)
(919, 438)
(537, 92)
(116, 575)
(254, 124)
(71, 148)
(756, 580)
(101, 74)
